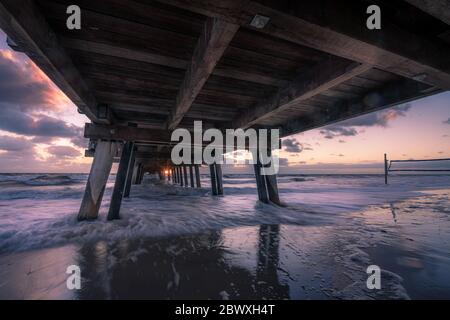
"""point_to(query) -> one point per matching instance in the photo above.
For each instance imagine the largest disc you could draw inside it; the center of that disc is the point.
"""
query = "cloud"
(338, 131)
(63, 152)
(292, 145)
(15, 121)
(12, 144)
(283, 162)
(448, 121)
(380, 119)
(24, 85)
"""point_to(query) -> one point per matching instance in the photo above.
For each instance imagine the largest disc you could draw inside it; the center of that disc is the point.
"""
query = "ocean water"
(317, 246)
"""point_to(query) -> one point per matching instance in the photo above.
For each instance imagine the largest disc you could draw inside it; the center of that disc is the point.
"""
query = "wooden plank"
(153, 58)
(308, 84)
(392, 94)
(24, 23)
(439, 9)
(337, 27)
(214, 40)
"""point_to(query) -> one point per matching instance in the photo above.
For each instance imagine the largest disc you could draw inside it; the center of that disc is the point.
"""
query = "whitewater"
(343, 219)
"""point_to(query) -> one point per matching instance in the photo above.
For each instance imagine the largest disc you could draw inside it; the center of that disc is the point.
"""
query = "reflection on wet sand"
(188, 267)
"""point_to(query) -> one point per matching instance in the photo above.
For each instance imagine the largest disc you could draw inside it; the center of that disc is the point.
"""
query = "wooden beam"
(213, 42)
(338, 28)
(307, 84)
(439, 9)
(125, 133)
(152, 58)
(390, 95)
(28, 28)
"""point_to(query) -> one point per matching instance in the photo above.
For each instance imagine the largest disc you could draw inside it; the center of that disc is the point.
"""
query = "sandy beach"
(236, 248)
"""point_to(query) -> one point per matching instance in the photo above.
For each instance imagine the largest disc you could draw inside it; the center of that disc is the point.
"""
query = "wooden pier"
(140, 69)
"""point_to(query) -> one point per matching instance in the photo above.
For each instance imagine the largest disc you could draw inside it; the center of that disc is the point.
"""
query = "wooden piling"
(130, 173)
(181, 176)
(191, 174)
(186, 183)
(119, 185)
(98, 177)
(260, 184)
(212, 170)
(197, 176)
(219, 179)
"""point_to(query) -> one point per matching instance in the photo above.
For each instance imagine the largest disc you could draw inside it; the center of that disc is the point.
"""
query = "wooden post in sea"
(119, 185)
(219, 178)
(98, 177)
(181, 176)
(212, 170)
(266, 184)
(130, 173)
(186, 183)
(260, 183)
(191, 174)
(197, 176)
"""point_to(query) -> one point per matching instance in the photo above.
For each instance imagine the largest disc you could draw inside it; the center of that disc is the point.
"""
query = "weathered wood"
(27, 27)
(260, 184)
(125, 133)
(98, 177)
(272, 186)
(197, 176)
(121, 178)
(212, 44)
(342, 34)
(191, 174)
(180, 176)
(307, 84)
(213, 177)
(185, 176)
(130, 174)
(148, 57)
(219, 178)
(439, 9)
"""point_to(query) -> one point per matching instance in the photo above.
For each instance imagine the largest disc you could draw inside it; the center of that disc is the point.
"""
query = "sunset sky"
(41, 130)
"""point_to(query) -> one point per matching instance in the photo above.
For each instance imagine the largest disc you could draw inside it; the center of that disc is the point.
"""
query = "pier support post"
(197, 176)
(98, 177)
(181, 176)
(175, 170)
(191, 174)
(130, 174)
(260, 183)
(212, 170)
(186, 183)
(267, 184)
(219, 179)
(216, 179)
(119, 185)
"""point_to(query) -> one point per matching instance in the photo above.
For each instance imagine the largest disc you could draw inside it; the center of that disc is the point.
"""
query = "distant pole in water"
(385, 169)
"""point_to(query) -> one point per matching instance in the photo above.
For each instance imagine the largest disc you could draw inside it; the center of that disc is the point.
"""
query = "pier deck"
(140, 69)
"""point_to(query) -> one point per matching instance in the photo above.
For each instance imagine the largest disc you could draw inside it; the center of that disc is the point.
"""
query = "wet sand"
(409, 240)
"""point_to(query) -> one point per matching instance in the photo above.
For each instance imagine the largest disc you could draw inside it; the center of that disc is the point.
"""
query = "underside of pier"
(140, 69)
